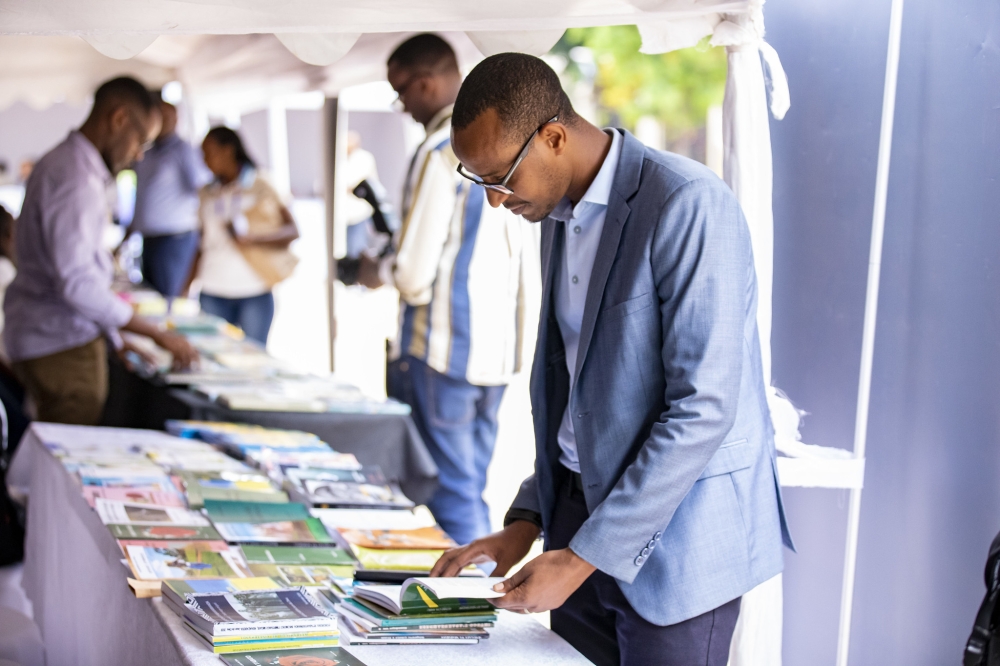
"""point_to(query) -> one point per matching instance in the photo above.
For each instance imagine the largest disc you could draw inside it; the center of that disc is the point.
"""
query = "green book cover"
(197, 494)
(294, 657)
(296, 555)
(254, 512)
(175, 532)
(299, 574)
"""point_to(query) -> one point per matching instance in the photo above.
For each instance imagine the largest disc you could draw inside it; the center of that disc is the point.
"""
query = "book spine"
(282, 645)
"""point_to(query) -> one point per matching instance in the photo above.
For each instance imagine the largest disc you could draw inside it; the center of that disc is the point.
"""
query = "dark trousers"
(598, 620)
(458, 423)
(166, 261)
(253, 314)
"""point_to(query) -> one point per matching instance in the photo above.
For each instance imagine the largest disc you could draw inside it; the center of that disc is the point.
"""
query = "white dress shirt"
(584, 224)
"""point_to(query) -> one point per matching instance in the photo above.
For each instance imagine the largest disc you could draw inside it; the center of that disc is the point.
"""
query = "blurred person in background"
(245, 234)
(463, 271)
(11, 390)
(60, 310)
(360, 165)
(166, 206)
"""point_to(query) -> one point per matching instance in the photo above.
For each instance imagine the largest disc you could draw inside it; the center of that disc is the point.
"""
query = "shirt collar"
(92, 155)
(440, 119)
(599, 192)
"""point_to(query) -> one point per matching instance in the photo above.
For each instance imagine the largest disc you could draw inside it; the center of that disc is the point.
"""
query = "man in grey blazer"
(655, 483)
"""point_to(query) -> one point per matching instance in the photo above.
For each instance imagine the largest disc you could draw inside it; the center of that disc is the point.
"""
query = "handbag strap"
(978, 643)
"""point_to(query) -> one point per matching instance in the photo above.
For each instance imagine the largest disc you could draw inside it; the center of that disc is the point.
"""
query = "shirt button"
(576, 229)
(575, 279)
(639, 560)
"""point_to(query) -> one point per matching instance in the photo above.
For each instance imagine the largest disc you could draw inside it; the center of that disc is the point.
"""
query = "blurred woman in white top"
(245, 234)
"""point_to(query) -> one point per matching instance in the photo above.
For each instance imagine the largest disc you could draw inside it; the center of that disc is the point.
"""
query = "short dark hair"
(226, 137)
(427, 52)
(123, 90)
(6, 222)
(523, 90)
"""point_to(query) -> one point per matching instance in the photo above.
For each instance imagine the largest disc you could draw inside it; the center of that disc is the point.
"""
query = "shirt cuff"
(523, 514)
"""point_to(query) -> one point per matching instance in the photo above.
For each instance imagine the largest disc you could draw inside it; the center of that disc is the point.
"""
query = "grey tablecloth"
(88, 617)
(390, 441)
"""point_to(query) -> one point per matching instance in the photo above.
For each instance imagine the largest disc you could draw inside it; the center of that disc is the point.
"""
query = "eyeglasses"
(501, 187)
(397, 104)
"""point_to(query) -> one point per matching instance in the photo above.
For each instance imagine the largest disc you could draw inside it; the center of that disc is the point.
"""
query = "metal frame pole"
(871, 314)
(332, 146)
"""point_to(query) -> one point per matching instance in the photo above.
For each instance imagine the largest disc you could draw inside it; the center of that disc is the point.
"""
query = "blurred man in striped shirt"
(468, 279)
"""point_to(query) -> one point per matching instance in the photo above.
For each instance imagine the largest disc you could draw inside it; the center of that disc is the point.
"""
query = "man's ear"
(555, 137)
(118, 119)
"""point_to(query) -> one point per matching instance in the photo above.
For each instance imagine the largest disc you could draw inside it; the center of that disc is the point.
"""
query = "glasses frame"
(501, 187)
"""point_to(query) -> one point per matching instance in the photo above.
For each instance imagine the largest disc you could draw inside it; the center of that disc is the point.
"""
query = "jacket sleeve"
(700, 259)
(425, 229)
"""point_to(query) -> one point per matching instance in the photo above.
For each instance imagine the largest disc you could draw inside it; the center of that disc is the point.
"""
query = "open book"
(432, 595)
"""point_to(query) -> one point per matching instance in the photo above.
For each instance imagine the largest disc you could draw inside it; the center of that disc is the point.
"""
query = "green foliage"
(676, 87)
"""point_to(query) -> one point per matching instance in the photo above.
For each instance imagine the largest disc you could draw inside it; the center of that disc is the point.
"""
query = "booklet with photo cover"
(166, 532)
(433, 538)
(174, 591)
(127, 513)
(297, 657)
(258, 611)
(163, 560)
(310, 530)
(132, 495)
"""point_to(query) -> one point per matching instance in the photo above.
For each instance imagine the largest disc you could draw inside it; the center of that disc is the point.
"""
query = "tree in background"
(676, 89)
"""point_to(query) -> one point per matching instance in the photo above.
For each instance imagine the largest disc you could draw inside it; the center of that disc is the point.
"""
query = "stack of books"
(236, 621)
(421, 610)
(296, 565)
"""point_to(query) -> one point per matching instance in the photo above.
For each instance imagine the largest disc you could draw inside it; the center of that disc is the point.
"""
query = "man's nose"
(496, 198)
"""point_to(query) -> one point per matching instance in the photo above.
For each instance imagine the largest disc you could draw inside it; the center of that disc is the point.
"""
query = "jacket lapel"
(550, 245)
(625, 186)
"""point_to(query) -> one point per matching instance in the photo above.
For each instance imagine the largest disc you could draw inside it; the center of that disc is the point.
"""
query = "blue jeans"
(166, 261)
(458, 422)
(252, 314)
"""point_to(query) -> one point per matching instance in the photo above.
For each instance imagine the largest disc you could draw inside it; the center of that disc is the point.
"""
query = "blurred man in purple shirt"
(166, 206)
(60, 309)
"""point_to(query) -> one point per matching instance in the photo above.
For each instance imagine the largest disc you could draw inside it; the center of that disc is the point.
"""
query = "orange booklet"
(424, 538)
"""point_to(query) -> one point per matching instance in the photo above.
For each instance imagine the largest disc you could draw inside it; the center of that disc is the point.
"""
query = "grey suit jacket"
(675, 442)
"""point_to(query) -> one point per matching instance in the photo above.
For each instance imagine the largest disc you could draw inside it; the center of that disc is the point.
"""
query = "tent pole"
(871, 314)
(331, 149)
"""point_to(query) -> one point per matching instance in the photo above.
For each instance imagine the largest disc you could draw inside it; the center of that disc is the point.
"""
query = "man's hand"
(544, 583)
(138, 351)
(506, 547)
(368, 272)
(184, 354)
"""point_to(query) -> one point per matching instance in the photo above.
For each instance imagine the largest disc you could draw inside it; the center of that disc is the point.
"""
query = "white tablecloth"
(88, 616)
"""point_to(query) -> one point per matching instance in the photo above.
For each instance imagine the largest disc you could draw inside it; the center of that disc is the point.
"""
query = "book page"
(460, 588)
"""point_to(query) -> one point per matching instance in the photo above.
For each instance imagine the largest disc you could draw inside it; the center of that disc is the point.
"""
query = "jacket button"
(657, 536)
(639, 560)
(644, 552)
(651, 544)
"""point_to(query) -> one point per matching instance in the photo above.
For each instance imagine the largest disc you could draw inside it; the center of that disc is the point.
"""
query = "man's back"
(167, 183)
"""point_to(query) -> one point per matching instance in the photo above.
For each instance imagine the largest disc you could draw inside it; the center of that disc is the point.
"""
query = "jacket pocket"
(628, 307)
(731, 457)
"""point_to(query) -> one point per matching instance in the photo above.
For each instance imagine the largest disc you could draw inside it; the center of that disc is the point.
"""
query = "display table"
(88, 617)
(390, 441)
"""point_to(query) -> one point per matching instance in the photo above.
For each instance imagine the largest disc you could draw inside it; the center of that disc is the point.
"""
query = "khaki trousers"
(70, 386)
